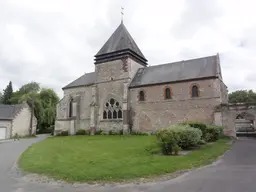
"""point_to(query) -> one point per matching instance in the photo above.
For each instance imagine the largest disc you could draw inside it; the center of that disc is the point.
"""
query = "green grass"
(109, 158)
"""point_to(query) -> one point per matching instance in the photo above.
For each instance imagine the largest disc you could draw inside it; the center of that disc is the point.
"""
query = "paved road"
(235, 172)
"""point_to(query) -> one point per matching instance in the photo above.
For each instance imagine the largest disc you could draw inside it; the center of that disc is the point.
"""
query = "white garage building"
(15, 119)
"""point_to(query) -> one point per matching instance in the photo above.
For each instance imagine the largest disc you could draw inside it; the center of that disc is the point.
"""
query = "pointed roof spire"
(120, 43)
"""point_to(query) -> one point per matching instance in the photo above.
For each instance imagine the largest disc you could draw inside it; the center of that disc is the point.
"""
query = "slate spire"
(120, 44)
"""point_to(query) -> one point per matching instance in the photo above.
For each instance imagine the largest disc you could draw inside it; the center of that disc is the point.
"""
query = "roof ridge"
(171, 63)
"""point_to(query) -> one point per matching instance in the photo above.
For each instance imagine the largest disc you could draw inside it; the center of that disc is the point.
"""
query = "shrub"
(202, 142)
(81, 132)
(168, 140)
(111, 132)
(62, 133)
(98, 132)
(138, 133)
(198, 125)
(213, 133)
(188, 136)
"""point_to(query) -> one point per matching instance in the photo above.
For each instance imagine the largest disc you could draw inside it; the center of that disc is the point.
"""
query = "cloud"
(53, 41)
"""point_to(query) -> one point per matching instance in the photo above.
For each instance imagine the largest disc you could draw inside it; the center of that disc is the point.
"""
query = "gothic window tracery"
(112, 110)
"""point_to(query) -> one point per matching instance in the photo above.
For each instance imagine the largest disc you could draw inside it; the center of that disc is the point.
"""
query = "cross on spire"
(122, 14)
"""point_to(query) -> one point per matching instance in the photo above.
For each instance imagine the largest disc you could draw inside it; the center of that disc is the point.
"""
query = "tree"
(49, 100)
(1, 98)
(42, 103)
(8, 92)
(242, 96)
(32, 99)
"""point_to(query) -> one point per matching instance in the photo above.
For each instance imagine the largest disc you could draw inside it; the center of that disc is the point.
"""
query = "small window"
(109, 115)
(115, 115)
(120, 114)
(195, 91)
(142, 96)
(104, 115)
(167, 93)
(71, 108)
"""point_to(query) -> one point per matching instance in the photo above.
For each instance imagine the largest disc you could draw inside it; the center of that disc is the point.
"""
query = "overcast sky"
(53, 41)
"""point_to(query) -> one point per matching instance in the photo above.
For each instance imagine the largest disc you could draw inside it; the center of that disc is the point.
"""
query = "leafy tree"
(1, 98)
(32, 99)
(242, 96)
(42, 103)
(49, 100)
(8, 92)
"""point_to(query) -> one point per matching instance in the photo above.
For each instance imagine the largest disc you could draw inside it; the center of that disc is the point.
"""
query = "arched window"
(70, 108)
(167, 93)
(141, 96)
(105, 115)
(112, 110)
(195, 91)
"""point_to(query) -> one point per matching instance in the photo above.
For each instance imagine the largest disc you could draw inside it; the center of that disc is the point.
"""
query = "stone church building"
(125, 93)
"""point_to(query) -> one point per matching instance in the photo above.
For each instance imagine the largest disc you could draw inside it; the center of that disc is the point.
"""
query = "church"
(124, 93)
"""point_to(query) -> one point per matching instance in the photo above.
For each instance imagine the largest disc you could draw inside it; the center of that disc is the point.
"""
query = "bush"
(168, 140)
(188, 136)
(198, 125)
(202, 142)
(213, 133)
(81, 132)
(138, 133)
(62, 133)
(98, 132)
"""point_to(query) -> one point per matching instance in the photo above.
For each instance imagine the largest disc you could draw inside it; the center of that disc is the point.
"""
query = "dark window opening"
(109, 115)
(114, 115)
(70, 108)
(167, 93)
(120, 114)
(105, 115)
(141, 96)
(195, 92)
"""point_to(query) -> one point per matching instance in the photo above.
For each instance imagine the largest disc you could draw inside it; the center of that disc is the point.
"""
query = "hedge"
(177, 137)
(210, 133)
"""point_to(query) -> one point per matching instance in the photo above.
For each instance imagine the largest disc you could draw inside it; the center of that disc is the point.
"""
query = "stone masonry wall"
(21, 123)
(156, 112)
(111, 77)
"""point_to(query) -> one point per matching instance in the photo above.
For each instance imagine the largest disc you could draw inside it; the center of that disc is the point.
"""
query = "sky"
(53, 42)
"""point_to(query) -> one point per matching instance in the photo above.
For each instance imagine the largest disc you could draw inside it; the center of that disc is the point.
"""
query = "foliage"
(82, 132)
(202, 142)
(98, 132)
(42, 102)
(8, 92)
(188, 136)
(1, 98)
(198, 125)
(135, 132)
(62, 133)
(213, 133)
(178, 137)
(168, 140)
(68, 157)
(242, 96)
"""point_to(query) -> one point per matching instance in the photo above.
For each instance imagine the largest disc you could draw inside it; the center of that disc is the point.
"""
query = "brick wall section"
(156, 112)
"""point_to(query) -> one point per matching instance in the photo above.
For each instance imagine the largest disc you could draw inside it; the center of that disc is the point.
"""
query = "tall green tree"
(32, 99)
(49, 100)
(242, 96)
(1, 98)
(8, 92)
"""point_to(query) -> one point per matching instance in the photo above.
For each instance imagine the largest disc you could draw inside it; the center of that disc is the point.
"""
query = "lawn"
(109, 158)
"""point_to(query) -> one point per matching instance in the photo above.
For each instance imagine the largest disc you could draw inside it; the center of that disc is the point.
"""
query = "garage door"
(2, 133)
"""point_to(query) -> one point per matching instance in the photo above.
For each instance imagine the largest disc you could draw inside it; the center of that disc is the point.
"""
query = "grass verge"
(109, 158)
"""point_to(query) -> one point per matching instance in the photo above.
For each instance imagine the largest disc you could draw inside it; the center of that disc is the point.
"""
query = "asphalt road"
(235, 172)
